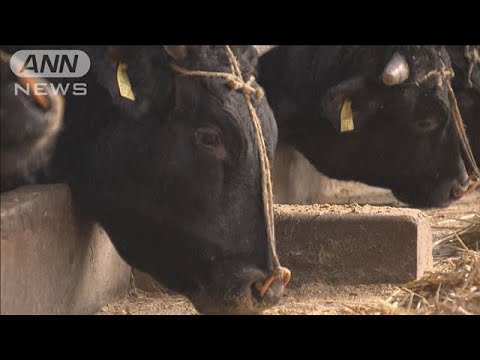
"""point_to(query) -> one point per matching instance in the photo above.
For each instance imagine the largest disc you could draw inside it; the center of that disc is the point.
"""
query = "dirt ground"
(319, 298)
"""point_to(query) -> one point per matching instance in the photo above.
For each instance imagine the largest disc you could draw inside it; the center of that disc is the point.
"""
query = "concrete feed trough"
(354, 244)
(347, 244)
(53, 260)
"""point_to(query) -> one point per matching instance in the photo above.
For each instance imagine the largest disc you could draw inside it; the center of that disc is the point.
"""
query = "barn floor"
(318, 298)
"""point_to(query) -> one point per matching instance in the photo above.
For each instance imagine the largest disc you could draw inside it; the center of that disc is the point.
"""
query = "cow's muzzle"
(462, 189)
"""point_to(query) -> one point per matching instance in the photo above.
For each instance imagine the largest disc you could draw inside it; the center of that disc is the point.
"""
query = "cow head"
(427, 165)
(398, 129)
(30, 124)
(174, 173)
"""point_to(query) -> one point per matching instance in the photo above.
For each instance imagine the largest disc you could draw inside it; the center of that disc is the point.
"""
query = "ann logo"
(50, 63)
(57, 63)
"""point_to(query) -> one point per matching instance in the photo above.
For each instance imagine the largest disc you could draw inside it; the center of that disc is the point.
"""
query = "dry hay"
(454, 285)
(139, 302)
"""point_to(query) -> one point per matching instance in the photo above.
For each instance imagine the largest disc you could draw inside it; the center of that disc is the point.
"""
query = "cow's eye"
(207, 137)
(210, 139)
(426, 125)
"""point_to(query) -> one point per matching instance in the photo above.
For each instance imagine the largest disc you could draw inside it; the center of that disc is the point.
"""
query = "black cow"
(29, 128)
(171, 171)
(466, 85)
(368, 113)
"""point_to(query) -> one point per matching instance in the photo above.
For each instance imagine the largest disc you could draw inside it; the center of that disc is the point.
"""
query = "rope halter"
(236, 82)
(444, 76)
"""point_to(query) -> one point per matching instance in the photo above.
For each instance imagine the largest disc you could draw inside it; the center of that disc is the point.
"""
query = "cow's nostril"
(255, 289)
(271, 296)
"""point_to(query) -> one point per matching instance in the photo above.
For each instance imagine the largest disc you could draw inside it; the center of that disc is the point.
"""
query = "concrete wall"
(296, 181)
(53, 260)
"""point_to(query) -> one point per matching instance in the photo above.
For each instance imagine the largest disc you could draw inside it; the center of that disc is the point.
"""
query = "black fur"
(403, 138)
(171, 205)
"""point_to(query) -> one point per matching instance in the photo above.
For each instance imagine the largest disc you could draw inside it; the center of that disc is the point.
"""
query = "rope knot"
(473, 55)
(442, 75)
(234, 84)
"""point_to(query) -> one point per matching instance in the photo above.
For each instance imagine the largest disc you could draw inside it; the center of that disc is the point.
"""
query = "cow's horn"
(396, 71)
(178, 52)
(263, 49)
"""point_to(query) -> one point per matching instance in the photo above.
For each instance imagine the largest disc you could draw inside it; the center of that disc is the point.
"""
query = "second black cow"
(466, 83)
(375, 114)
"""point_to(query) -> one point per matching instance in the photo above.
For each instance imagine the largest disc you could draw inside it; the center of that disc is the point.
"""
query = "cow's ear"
(336, 104)
(178, 52)
(117, 53)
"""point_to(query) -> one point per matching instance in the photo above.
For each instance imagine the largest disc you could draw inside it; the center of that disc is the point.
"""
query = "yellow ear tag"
(346, 117)
(124, 82)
